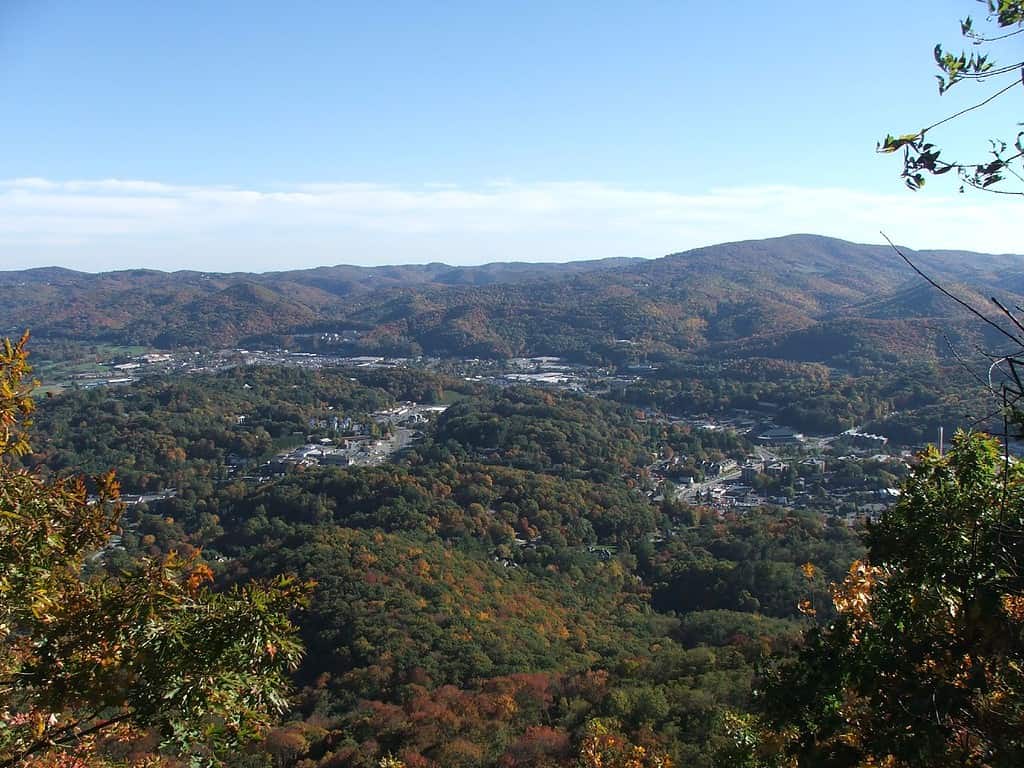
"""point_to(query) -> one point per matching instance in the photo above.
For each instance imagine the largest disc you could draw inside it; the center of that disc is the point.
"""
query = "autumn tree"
(86, 660)
(924, 662)
(603, 745)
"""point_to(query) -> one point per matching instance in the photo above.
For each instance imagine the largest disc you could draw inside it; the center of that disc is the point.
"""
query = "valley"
(608, 510)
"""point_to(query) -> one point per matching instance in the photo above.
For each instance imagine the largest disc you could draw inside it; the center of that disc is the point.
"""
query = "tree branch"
(39, 746)
(1015, 339)
(964, 111)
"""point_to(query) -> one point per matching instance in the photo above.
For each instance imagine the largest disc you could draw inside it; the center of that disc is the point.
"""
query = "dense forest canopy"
(507, 570)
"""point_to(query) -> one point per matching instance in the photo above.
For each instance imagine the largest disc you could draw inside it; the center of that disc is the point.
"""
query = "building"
(812, 467)
(780, 436)
(335, 459)
(751, 470)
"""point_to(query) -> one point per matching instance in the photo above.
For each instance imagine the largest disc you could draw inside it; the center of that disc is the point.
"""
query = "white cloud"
(114, 223)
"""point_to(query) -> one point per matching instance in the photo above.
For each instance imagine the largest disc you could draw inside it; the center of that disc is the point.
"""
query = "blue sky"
(261, 135)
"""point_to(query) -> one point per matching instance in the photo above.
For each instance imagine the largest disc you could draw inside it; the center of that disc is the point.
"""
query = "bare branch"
(980, 104)
(1016, 340)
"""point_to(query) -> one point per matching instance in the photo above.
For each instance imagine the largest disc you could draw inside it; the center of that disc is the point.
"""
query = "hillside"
(773, 294)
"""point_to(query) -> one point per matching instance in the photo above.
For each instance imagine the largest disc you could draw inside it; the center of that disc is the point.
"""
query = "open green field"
(55, 366)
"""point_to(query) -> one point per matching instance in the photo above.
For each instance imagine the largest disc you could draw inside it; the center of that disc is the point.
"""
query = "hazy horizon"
(236, 136)
(519, 262)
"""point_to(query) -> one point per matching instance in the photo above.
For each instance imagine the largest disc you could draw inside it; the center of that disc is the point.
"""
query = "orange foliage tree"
(924, 662)
(88, 659)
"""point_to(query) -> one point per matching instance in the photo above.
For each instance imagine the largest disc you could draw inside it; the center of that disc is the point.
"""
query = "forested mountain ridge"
(706, 300)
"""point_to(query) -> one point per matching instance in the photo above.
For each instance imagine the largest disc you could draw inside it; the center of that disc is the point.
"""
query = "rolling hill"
(802, 296)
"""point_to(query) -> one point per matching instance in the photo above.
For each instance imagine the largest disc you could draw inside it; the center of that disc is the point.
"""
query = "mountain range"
(800, 296)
